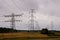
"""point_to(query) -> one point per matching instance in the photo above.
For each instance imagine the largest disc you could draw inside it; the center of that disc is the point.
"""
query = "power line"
(9, 8)
(15, 4)
(7, 5)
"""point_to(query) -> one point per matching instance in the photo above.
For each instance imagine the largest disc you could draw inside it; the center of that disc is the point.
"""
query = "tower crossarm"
(7, 15)
(18, 20)
(13, 15)
(7, 21)
(18, 15)
(15, 21)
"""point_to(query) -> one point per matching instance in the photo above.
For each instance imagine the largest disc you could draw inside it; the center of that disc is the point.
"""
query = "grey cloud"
(47, 7)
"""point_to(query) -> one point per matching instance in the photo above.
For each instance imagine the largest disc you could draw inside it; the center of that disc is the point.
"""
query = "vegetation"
(7, 30)
(44, 31)
(47, 32)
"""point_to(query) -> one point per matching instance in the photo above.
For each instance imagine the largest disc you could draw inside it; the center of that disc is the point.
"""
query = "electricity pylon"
(13, 19)
(52, 26)
(32, 21)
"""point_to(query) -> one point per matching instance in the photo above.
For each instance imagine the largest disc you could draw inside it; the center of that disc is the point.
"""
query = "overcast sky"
(46, 11)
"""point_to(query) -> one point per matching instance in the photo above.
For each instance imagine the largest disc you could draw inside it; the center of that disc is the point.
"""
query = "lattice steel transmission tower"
(13, 19)
(32, 20)
(52, 25)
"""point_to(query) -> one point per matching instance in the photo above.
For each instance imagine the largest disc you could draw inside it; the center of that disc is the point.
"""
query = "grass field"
(21, 34)
(33, 39)
(27, 36)
(49, 38)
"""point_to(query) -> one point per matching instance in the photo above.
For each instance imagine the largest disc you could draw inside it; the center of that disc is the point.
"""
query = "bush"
(44, 31)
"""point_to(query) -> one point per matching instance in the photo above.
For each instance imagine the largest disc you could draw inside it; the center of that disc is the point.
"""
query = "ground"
(26, 35)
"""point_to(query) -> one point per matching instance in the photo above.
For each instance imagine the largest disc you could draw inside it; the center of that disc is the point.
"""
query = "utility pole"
(13, 19)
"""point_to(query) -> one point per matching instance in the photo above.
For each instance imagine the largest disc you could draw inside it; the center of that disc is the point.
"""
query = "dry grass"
(22, 34)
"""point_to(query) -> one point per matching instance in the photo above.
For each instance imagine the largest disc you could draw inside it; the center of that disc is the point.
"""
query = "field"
(33, 39)
(27, 36)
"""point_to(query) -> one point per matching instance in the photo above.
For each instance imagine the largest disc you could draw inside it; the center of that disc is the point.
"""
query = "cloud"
(44, 8)
(50, 7)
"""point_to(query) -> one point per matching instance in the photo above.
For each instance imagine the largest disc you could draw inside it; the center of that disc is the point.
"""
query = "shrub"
(44, 31)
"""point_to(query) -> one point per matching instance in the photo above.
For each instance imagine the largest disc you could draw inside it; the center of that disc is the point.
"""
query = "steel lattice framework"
(13, 19)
